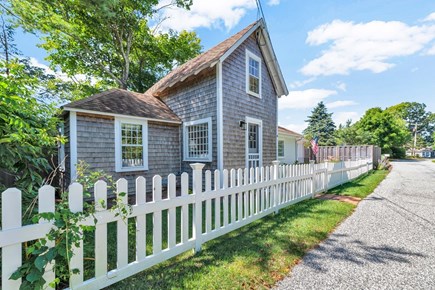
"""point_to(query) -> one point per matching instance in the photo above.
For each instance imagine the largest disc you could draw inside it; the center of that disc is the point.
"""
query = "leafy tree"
(349, 134)
(27, 128)
(111, 41)
(385, 129)
(320, 124)
(415, 113)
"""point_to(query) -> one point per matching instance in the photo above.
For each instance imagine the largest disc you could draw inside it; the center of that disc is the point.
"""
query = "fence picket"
(251, 192)
(171, 212)
(100, 195)
(75, 201)
(141, 242)
(208, 202)
(122, 226)
(239, 195)
(257, 191)
(46, 204)
(157, 216)
(233, 196)
(11, 255)
(225, 198)
(184, 208)
(245, 194)
(217, 201)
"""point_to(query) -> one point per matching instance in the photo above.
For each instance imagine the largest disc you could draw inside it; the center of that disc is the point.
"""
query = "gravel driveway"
(388, 243)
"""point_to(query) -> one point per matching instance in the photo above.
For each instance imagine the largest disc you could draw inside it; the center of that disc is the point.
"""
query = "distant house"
(290, 146)
(424, 153)
(219, 108)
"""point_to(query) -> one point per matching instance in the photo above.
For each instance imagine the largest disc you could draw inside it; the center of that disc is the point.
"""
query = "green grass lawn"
(255, 256)
(362, 186)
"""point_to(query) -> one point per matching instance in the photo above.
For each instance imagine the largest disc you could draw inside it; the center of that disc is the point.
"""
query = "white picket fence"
(237, 197)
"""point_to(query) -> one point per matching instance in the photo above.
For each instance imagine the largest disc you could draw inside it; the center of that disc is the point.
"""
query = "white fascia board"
(119, 115)
(239, 42)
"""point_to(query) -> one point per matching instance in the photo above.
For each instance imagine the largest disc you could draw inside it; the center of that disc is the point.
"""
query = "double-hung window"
(280, 148)
(131, 145)
(253, 74)
(197, 140)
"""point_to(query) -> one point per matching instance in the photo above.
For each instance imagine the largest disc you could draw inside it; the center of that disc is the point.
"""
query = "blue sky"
(353, 55)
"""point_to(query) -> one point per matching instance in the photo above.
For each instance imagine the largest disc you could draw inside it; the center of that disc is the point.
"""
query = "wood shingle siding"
(96, 146)
(193, 101)
(237, 105)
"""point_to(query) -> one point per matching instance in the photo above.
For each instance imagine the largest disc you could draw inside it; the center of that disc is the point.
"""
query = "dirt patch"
(342, 198)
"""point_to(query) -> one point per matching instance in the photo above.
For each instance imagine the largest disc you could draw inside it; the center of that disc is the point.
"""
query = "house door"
(253, 143)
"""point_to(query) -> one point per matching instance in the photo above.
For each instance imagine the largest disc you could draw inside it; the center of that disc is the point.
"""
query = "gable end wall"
(237, 104)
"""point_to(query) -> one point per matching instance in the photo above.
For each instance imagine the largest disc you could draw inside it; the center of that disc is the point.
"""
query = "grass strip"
(255, 256)
(361, 186)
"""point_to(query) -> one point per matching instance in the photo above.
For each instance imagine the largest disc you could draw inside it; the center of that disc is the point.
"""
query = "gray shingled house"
(219, 108)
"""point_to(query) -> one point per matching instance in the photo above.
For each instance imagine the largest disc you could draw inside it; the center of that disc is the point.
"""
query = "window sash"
(280, 148)
(132, 148)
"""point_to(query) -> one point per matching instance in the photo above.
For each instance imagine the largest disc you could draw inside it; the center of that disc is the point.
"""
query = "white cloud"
(431, 51)
(273, 2)
(342, 117)
(304, 99)
(341, 86)
(430, 17)
(205, 13)
(298, 128)
(364, 46)
(298, 84)
(338, 104)
(59, 74)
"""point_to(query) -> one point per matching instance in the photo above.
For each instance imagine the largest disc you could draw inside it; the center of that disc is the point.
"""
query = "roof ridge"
(195, 64)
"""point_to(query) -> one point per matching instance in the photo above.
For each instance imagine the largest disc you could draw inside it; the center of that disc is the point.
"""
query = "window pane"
(254, 85)
(198, 143)
(281, 148)
(131, 145)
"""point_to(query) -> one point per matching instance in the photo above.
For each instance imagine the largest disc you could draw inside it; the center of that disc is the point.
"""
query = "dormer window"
(253, 74)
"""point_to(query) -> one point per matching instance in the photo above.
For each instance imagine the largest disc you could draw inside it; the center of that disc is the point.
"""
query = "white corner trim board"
(73, 145)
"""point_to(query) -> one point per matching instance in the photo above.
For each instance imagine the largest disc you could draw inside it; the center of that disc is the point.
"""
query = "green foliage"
(68, 232)
(320, 124)
(110, 41)
(387, 130)
(27, 128)
(415, 113)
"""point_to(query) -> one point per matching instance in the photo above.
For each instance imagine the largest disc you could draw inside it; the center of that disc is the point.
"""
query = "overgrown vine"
(67, 232)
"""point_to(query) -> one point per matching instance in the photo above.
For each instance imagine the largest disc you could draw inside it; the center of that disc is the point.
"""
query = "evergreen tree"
(320, 124)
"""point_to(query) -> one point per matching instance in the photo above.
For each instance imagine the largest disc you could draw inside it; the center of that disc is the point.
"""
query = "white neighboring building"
(290, 146)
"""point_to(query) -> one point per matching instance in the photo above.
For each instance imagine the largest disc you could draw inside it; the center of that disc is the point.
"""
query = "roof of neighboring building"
(289, 132)
(122, 102)
(217, 53)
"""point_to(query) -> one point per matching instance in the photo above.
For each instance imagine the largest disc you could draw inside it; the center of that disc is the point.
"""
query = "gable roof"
(122, 102)
(286, 131)
(218, 53)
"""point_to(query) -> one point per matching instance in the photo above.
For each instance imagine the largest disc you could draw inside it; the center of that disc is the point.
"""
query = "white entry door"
(254, 138)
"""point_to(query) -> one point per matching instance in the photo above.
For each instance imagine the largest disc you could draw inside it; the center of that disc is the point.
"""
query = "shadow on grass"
(255, 256)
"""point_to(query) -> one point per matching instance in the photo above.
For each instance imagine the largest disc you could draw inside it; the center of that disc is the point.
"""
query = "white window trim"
(256, 58)
(283, 148)
(209, 157)
(118, 146)
(258, 122)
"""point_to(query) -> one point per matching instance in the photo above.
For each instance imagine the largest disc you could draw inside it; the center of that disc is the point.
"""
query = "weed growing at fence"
(361, 186)
(66, 234)
(255, 256)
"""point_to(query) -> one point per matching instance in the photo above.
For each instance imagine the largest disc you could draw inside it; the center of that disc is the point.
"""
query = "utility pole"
(415, 138)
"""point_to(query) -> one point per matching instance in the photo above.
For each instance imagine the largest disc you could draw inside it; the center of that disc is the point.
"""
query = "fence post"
(313, 178)
(325, 179)
(11, 218)
(275, 187)
(197, 213)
